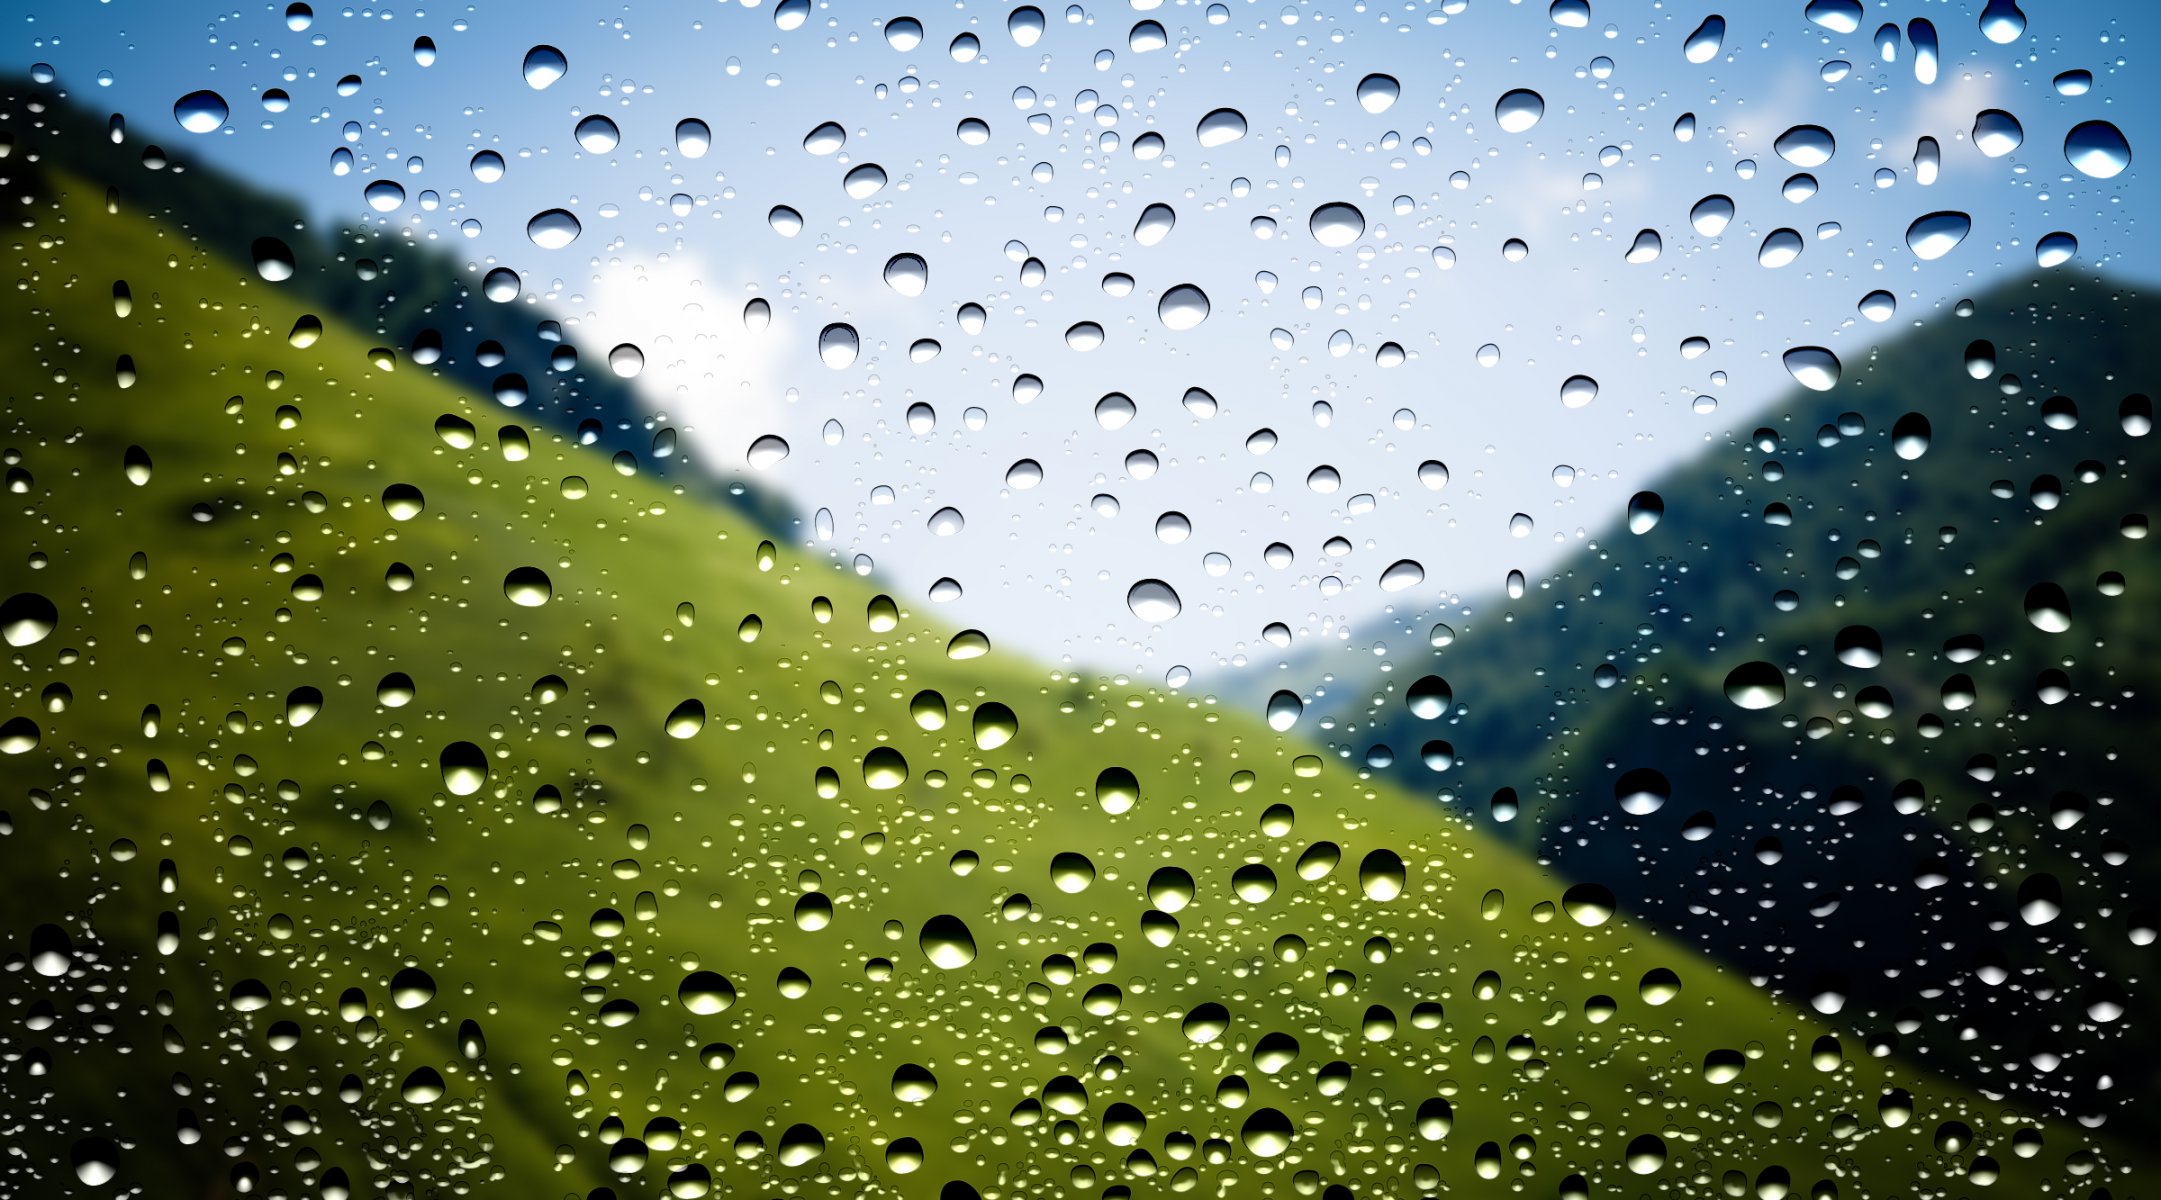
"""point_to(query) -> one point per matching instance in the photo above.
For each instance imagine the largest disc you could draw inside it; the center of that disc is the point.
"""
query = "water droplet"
(1756, 685)
(1997, 133)
(1401, 574)
(597, 134)
(2002, 22)
(543, 66)
(27, 618)
(903, 33)
(553, 229)
(1838, 16)
(2054, 250)
(465, 768)
(2096, 149)
(403, 502)
(1336, 224)
(528, 587)
(1910, 436)
(384, 195)
(1646, 1154)
(274, 260)
(1182, 307)
(1813, 367)
(827, 138)
(2073, 83)
(1780, 247)
(1153, 601)
(1578, 390)
(1646, 247)
(1518, 110)
(1878, 306)
(863, 182)
(1642, 791)
(1220, 128)
(1377, 93)
(693, 137)
(1084, 336)
(838, 344)
(1284, 709)
(1589, 904)
(1711, 215)
(1703, 45)
(1806, 146)
(1433, 474)
(201, 112)
(1645, 510)
(946, 942)
(884, 769)
(1937, 234)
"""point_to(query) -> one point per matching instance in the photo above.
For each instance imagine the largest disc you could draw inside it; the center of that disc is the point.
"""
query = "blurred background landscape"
(431, 775)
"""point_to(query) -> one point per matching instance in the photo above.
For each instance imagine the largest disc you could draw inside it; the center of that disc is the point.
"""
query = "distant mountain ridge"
(1878, 832)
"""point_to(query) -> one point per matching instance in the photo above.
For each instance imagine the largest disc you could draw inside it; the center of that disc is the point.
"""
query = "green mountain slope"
(309, 768)
(1942, 817)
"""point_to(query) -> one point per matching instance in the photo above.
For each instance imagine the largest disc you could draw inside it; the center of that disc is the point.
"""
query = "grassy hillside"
(1869, 831)
(311, 770)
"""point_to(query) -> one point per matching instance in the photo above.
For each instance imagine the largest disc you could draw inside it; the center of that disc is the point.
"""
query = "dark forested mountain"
(1865, 712)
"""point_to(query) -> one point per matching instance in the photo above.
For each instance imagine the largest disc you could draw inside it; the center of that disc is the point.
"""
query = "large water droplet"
(1711, 215)
(1401, 574)
(946, 942)
(1183, 307)
(838, 344)
(553, 229)
(543, 66)
(1153, 601)
(1220, 128)
(1519, 109)
(1756, 685)
(1284, 709)
(201, 112)
(1937, 234)
(1703, 45)
(27, 618)
(1813, 367)
(693, 137)
(597, 134)
(2097, 149)
(1996, 132)
(1336, 224)
(1377, 93)
(2002, 22)
(1806, 146)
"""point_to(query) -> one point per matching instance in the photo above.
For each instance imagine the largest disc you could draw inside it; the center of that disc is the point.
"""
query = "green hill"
(1938, 758)
(351, 848)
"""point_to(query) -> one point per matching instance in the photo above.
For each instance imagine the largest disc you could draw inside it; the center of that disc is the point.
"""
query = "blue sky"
(1337, 365)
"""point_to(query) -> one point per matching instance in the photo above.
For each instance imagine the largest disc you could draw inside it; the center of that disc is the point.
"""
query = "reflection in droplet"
(693, 137)
(1646, 247)
(1780, 247)
(1336, 224)
(1813, 367)
(1996, 132)
(553, 229)
(544, 65)
(1401, 574)
(1704, 43)
(1153, 601)
(1518, 110)
(1756, 685)
(838, 345)
(1806, 146)
(201, 112)
(1937, 234)
(1578, 390)
(1284, 709)
(1377, 93)
(597, 134)
(1183, 307)
(2055, 249)
(2097, 149)
(1878, 306)
(1220, 128)
(1711, 215)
